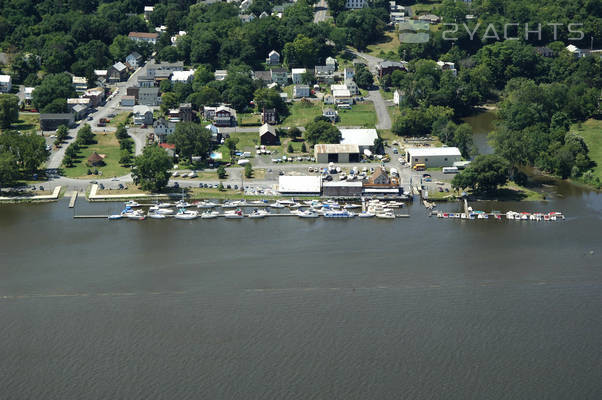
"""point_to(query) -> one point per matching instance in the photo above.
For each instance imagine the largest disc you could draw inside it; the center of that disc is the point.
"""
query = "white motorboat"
(296, 206)
(234, 214)
(307, 214)
(386, 215)
(132, 203)
(134, 214)
(186, 214)
(339, 214)
(394, 204)
(206, 204)
(210, 214)
(164, 205)
(183, 204)
(155, 215)
(313, 203)
(159, 210)
(366, 214)
(276, 205)
(258, 214)
(351, 206)
(234, 204)
(285, 202)
(115, 216)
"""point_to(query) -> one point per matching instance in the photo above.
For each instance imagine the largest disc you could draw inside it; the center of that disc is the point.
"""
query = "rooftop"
(361, 137)
(144, 35)
(433, 151)
(337, 148)
(299, 184)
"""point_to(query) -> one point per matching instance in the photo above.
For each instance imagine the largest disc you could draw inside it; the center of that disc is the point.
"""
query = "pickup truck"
(102, 122)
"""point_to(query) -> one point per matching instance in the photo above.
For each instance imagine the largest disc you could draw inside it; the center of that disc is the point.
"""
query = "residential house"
(224, 116)
(133, 91)
(352, 87)
(246, 18)
(284, 97)
(162, 75)
(216, 137)
(265, 76)
(209, 112)
(78, 101)
(269, 116)
(297, 75)
(331, 114)
(430, 18)
(101, 76)
(342, 96)
(273, 58)
(49, 122)
(185, 112)
(387, 67)
(134, 60)
(128, 101)
(148, 10)
(380, 181)
(331, 62)
(355, 4)
(80, 84)
(245, 4)
(220, 74)
(149, 96)
(348, 74)
(117, 73)
(155, 66)
(182, 76)
(324, 73)
(173, 115)
(328, 99)
(544, 51)
(79, 111)
(447, 66)
(279, 76)
(28, 94)
(6, 83)
(144, 37)
(143, 115)
(267, 135)
(146, 82)
(397, 96)
(300, 91)
(576, 51)
(96, 96)
(162, 129)
(169, 148)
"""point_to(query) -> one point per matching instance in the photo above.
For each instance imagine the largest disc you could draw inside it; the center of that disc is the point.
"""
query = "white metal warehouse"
(433, 157)
(309, 185)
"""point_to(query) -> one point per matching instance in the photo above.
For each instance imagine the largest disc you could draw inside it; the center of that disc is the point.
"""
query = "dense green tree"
(9, 171)
(484, 174)
(270, 98)
(62, 133)
(191, 140)
(54, 86)
(85, 135)
(248, 170)
(150, 170)
(9, 110)
(221, 172)
(322, 132)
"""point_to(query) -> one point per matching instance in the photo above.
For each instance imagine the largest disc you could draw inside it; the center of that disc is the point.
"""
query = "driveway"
(321, 11)
(382, 113)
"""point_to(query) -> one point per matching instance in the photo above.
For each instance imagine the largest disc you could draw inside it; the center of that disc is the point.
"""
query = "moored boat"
(339, 214)
(386, 215)
(186, 214)
(307, 214)
(210, 214)
(115, 216)
(237, 214)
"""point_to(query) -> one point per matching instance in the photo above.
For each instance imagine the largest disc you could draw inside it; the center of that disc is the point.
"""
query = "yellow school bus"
(419, 167)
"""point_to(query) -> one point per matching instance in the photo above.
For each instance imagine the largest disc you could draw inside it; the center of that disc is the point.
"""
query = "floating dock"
(73, 199)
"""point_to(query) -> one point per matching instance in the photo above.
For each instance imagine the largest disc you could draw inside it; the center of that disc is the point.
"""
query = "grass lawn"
(121, 118)
(387, 47)
(302, 113)
(591, 131)
(26, 122)
(106, 144)
(360, 115)
(249, 119)
(425, 6)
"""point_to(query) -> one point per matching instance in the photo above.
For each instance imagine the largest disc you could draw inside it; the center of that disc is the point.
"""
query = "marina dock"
(73, 199)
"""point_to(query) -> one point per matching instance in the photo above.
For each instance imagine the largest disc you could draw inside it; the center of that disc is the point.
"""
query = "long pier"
(224, 216)
(73, 199)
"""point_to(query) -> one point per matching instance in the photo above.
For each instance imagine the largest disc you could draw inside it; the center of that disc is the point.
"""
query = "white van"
(450, 170)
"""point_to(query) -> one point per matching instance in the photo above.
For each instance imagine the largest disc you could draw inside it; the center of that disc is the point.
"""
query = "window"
(426, 159)
(445, 158)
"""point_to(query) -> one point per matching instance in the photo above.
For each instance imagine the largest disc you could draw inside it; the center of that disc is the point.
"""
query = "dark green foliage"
(322, 132)
(484, 174)
(150, 170)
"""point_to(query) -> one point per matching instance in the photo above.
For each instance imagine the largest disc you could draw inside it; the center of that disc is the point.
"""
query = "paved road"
(382, 112)
(56, 157)
(321, 12)
(370, 60)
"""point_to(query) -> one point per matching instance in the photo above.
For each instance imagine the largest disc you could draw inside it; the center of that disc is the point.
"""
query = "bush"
(221, 172)
(303, 148)
(290, 148)
(248, 170)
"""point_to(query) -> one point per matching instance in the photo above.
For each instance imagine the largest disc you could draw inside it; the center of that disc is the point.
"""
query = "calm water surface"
(292, 309)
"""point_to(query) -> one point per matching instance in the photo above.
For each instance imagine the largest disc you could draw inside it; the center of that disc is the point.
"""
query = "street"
(321, 12)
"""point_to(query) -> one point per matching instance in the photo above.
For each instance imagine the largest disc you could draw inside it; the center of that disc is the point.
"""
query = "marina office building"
(433, 157)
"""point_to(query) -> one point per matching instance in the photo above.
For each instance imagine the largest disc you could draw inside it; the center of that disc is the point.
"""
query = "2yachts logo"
(418, 31)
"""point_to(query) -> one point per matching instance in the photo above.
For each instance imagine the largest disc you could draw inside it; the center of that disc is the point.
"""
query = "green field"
(26, 122)
(302, 113)
(425, 7)
(387, 47)
(360, 115)
(106, 144)
(591, 130)
(121, 118)
(249, 119)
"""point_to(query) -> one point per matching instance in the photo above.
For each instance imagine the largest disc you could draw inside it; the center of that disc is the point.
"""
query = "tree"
(301, 51)
(322, 132)
(303, 148)
(364, 78)
(29, 149)
(9, 110)
(270, 98)
(151, 169)
(125, 157)
(231, 143)
(85, 135)
(221, 172)
(121, 133)
(54, 86)
(484, 174)
(9, 171)
(294, 133)
(202, 76)
(248, 170)
(191, 140)
(61, 134)
(290, 148)
(168, 101)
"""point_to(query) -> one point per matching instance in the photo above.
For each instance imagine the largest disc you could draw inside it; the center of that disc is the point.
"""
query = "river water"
(284, 308)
